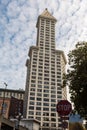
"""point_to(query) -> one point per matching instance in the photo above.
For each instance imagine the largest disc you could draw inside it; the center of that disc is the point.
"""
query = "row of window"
(46, 67)
(46, 59)
(50, 48)
(47, 21)
(46, 99)
(47, 40)
(46, 63)
(46, 80)
(45, 91)
(44, 108)
(52, 54)
(45, 74)
(45, 118)
(46, 46)
(46, 54)
(40, 90)
(46, 95)
(47, 125)
(47, 87)
(47, 27)
(47, 35)
(9, 94)
(53, 98)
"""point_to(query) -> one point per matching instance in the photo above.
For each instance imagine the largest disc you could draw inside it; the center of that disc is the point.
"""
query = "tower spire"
(46, 14)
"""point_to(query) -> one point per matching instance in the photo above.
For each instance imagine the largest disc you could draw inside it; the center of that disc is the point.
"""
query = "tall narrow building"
(45, 68)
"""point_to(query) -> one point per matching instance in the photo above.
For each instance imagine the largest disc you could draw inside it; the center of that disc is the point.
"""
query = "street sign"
(64, 107)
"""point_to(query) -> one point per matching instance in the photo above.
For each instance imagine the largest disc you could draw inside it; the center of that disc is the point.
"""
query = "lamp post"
(18, 117)
(2, 109)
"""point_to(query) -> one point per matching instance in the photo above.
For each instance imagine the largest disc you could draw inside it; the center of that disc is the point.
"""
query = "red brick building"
(12, 101)
(16, 107)
(6, 106)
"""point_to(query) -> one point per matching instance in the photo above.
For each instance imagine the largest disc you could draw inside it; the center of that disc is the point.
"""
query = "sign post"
(64, 108)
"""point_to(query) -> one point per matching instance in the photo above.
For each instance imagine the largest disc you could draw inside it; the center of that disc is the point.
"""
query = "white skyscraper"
(45, 68)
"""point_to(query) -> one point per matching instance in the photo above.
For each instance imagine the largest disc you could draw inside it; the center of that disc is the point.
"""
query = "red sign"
(64, 107)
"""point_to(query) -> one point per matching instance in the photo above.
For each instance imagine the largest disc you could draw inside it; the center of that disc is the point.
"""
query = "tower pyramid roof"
(47, 14)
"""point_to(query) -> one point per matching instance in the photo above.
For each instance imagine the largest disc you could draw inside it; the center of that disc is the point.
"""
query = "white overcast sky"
(18, 32)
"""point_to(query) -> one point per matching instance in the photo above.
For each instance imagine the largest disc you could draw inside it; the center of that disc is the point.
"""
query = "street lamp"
(18, 117)
(2, 109)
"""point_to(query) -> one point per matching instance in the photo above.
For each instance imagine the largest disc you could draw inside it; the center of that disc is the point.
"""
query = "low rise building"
(30, 124)
(11, 102)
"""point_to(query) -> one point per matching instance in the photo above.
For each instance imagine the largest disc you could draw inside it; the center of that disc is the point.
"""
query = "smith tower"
(45, 68)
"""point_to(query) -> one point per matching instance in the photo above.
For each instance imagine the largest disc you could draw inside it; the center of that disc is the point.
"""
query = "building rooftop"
(31, 119)
(47, 14)
(12, 90)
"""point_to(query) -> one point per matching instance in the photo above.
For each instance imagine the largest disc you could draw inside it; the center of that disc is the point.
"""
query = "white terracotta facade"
(45, 68)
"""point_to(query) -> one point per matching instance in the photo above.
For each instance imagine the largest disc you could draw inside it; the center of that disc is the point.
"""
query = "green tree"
(76, 77)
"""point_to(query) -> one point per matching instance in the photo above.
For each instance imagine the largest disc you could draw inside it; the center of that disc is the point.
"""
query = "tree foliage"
(76, 77)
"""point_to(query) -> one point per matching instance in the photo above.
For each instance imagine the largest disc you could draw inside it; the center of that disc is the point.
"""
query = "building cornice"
(12, 90)
(32, 48)
(62, 52)
(27, 62)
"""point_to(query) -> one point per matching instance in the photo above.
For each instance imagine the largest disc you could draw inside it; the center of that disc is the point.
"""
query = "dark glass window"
(45, 99)
(31, 107)
(45, 104)
(45, 109)
(32, 98)
(38, 108)
(38, 113)
(38, 99)
(38, 103)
